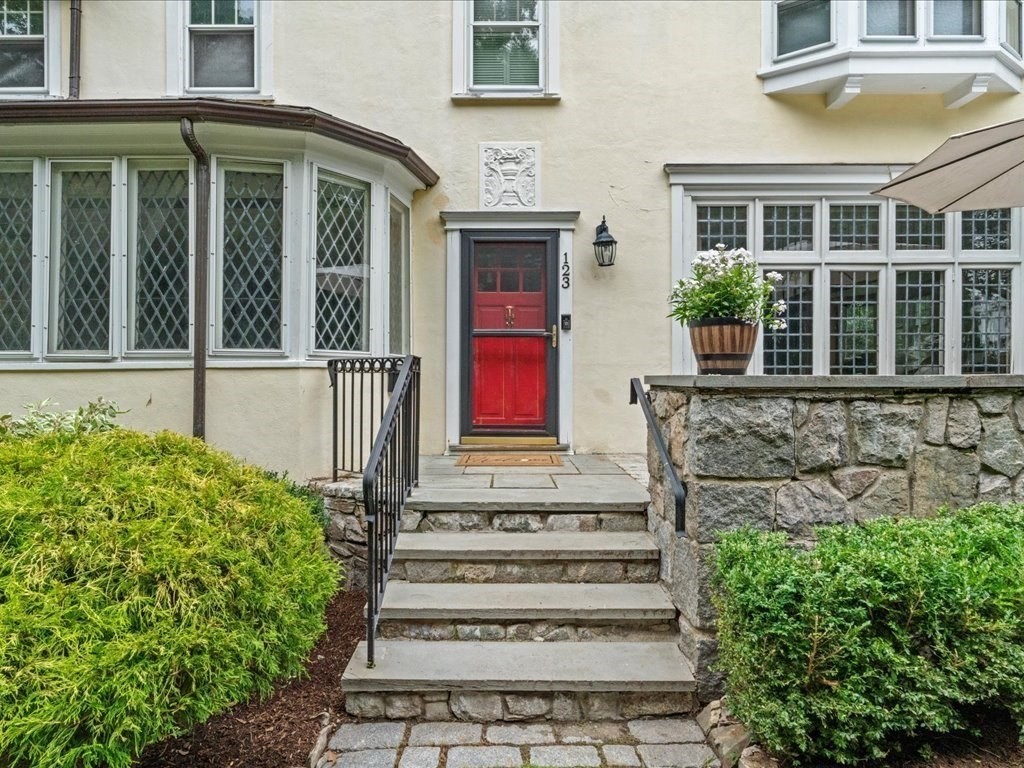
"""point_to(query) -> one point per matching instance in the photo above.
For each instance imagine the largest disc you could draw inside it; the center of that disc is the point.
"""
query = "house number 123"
(565, 271)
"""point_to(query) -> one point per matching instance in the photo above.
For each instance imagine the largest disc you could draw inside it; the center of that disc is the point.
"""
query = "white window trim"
(1004, 31)
(986, 24)
(692, 185)
(463, 89)
(51, 88)
(774, 24)
(178, 55)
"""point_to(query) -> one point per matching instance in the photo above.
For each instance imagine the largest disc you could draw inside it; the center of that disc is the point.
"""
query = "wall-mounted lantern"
(604, 245)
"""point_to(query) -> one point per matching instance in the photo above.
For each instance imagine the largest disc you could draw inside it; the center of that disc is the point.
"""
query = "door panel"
(509, 340)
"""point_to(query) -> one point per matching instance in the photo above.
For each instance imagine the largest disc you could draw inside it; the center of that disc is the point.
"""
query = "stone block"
(801, 410)
(410, 520)
(665, 402)
(1018, 410)
(528, 573)
(420, 757)
(367, 758)
(620, 756)
(963, 428)
(481, 707)
(436, 710)
(571, 523)
(823, 442)
(484, 757)
(677, 755)
(994, 488)
(692, 574)
(1000, 448)
(742, 437)
(600, 706)
(475, 573)
(728, 742)
(943, 476)
(884, 433)
(365, 705)
(754, 757)
(428, 570)
(803, 504)
(561, 756)
(353, 736)
(642, 573)
(936, 409)
(622, 522)
(713, 508)
(710, 716)
(853, 481)
(518, 523)
(565, 706)
(671, 731)
(399, 706)
(647, 704)
(994, 404)
(889, 496)
(520, 707)
(595, 572)
(485, 632)
(592, 732)
(701, 649)
(520, 734)
(445, 734)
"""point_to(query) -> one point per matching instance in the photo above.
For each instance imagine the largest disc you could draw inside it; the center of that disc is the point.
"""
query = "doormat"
(509, 460)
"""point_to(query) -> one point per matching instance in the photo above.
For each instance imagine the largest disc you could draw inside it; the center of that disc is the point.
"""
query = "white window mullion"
(952, 325)
(377, 253)
(1017, 323)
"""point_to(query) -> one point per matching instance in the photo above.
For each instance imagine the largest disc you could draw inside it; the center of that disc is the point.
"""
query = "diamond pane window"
(725, 224)
(789, 227)
(161, 264)
(920, 321)
(82, 232)
(342, 265)
(398, 279)
(222, 44)
(252, 255)
(918, 230)
(853, 322)
(853, 227)
(15, 261)
(22, 44)
(506, 43)
(985, 304)
(790, 350)
(985, 230)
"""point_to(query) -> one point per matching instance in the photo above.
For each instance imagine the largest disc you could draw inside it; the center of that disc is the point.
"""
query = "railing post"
(637, 395)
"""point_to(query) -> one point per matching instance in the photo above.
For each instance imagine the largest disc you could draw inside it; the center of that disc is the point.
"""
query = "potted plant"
(724, 303)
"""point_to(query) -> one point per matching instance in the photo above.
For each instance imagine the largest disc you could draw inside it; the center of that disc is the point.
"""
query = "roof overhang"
(205, 110)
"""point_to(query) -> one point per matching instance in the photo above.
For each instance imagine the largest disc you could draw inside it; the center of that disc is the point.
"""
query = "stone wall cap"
(770, 385)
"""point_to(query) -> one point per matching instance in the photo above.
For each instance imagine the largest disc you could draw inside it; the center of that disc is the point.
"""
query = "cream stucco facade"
(641, 85)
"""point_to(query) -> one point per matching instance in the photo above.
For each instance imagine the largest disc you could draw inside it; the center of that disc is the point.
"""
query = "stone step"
(522, 522)
(525, 612)
(511, 558)
(519, 681)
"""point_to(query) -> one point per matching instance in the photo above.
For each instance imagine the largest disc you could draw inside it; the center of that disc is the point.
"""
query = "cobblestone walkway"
(666, 743)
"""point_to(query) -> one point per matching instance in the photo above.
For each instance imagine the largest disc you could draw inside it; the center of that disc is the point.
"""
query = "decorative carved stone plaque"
(508, 175)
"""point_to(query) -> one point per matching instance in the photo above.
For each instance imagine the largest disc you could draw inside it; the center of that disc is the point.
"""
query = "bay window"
(956, 18)
(890, 18)
(801, 25)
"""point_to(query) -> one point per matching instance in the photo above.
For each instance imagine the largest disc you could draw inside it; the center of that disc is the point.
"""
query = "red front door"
(510, 337)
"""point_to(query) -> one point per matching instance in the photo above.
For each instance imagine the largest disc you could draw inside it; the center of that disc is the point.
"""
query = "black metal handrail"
(638, 395)
(360, 395)
(392, 471)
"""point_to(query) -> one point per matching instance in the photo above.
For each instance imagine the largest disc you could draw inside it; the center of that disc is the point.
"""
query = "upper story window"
(960, 49)
(29, 57)
(505, 48)
(219, 47)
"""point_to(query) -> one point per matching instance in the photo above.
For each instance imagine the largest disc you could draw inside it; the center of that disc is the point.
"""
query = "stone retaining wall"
(787, 453)
(346, 531)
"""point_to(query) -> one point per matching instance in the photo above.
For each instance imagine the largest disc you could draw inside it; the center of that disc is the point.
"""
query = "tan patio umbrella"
(970, 171)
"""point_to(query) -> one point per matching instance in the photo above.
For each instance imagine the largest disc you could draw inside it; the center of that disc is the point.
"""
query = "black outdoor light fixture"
(604, 245)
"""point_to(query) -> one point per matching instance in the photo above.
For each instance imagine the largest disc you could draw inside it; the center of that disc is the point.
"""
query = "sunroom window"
(802, 24)
(956, 18)
(22, 45)
(890, 18)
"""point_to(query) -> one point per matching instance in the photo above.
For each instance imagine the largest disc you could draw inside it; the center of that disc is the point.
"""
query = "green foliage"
(311, 498)
(883, 633)
(147, 582)
(97, 416)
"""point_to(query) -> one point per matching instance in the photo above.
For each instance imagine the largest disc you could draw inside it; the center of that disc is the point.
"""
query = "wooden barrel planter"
(722, 344)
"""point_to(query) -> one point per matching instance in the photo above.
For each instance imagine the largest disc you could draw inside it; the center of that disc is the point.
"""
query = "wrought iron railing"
(392, 471)
(638, 395)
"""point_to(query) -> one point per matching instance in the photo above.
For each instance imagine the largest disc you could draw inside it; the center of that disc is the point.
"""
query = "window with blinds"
(506, 43)
(222, 44)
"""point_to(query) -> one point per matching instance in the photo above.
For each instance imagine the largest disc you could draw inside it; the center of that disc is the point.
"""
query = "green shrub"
(97, 416)
(147, 582)
(883, 633)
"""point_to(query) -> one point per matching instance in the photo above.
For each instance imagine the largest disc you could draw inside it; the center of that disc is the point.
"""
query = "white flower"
(775, 277)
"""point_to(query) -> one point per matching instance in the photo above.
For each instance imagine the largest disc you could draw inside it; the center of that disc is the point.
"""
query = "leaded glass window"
(82, 232)
(853, 322)
(22, 44)
(985, 308)
(853, 227)
(342, 264)
(222, 44)
(987, 230)
(920, 321)
(790, 350)
(918, 230)
(788, 228)
(726, 224)
(15, 261)
(253, 222)
(161, 260)
(506, 43)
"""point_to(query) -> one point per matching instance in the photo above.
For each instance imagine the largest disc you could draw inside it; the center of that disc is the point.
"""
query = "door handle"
(510, 316)
(554, 337)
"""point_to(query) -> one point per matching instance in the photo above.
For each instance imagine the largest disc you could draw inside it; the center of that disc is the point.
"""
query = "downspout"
(75, 65)
(202, 272)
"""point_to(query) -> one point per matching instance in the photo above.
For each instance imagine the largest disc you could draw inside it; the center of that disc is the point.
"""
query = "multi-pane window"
(853, 227)
(1012, 31)
(789, 228)
(159, 267)
(342, 264)
(986, 230)
(802, 24)
(222, 44)
(918, 230)
(986, 303)
(725, 224)
(789, 350)
(506, 43)
(920, 321)
(22, 45)
(890, 18)
(853, 322)
(252, 253)
(956, 18)
(15, 260)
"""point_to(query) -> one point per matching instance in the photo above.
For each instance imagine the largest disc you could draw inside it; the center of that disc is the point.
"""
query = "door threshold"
(507, 443)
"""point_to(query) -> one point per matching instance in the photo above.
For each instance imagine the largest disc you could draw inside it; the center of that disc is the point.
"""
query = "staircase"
(524, 594)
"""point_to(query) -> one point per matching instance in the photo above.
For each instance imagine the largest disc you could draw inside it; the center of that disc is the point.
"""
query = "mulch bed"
(279, 731)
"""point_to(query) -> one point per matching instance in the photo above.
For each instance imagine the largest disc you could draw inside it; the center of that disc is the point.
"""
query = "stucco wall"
(642, 85)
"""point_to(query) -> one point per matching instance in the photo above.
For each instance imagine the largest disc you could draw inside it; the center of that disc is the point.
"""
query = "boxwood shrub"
(147, 582)
(881, 635)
